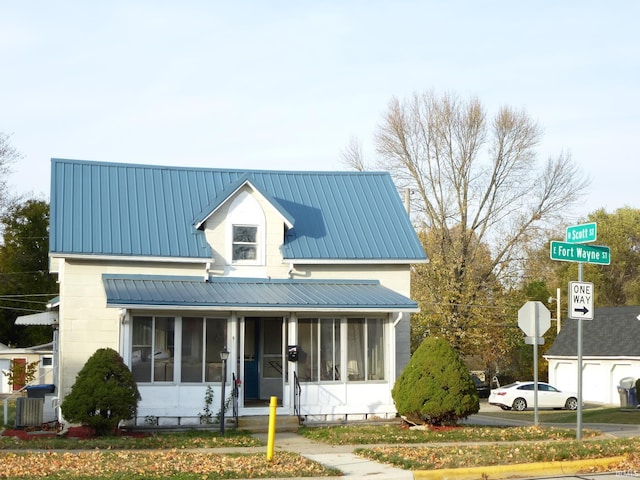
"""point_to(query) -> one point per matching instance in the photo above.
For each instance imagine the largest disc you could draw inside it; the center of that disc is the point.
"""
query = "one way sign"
(581, 300)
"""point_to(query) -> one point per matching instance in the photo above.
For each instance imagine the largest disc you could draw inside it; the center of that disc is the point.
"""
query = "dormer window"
(246, 230)
(245, 243)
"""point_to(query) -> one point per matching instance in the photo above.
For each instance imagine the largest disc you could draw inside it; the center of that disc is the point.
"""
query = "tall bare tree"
(481, 195)
(8, 155)
(352, 156)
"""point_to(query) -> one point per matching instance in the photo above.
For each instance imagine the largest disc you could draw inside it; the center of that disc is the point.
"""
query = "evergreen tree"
(435, 387)
(104, 393)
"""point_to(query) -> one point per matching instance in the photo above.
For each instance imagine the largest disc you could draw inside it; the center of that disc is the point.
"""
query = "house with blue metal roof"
(302, 277)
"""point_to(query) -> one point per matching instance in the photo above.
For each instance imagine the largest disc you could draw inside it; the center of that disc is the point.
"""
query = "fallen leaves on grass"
(160, 464)
(166, 440)
(395, 434)
(422, 458)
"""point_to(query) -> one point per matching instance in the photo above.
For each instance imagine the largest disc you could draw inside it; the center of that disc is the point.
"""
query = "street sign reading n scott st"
(585, 233)
(576, 252)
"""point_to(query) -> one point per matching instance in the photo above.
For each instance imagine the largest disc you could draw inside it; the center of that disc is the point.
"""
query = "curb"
(507, 471)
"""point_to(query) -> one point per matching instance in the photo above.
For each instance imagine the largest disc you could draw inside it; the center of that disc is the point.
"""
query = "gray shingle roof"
(614, 331)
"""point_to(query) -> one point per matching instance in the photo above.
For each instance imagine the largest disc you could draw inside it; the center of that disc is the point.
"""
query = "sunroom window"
(152, 349)
(202, 341)
(365, 349)
(195, 358)
(319, 341)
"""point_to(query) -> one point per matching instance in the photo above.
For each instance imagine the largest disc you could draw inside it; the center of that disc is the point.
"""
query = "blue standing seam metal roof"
(225, 293)
(121, 209)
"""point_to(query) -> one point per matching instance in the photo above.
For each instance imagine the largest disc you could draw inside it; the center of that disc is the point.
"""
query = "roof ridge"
(216, 169)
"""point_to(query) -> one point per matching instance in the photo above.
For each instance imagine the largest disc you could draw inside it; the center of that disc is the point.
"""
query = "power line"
(16, 309)
(27, 273)
(29, 295)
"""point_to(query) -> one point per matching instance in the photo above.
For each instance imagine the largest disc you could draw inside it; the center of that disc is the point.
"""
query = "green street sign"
(585, 233)
(577, 252)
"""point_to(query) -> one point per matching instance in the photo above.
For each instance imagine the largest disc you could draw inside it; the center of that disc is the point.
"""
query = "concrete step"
(260, 423)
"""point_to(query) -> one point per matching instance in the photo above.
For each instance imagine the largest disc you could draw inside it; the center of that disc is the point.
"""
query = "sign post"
(534, 319)
(580, 293)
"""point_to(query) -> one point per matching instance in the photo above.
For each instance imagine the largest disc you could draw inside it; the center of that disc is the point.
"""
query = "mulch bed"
(80, 433)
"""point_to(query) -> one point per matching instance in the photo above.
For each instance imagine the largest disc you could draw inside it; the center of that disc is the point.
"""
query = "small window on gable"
(246, 230)
(245, 243)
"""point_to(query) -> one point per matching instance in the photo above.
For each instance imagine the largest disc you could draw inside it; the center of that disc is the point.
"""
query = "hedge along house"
(303, 277)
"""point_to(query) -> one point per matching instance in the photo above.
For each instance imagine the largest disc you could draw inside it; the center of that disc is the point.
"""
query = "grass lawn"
(396, 434)
(590, 414)
(180, 455)
(176, 455)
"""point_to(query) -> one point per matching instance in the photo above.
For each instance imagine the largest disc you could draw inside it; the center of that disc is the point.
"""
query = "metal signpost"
(580, 293)
(534, 319)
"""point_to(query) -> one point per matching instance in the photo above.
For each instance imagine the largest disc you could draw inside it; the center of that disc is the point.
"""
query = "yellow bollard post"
(272, 427)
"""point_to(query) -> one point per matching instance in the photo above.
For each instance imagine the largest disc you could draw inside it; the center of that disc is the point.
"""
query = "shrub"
(104, 393)
(435, 386)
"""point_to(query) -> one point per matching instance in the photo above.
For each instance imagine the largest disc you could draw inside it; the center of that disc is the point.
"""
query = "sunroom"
(324, 348)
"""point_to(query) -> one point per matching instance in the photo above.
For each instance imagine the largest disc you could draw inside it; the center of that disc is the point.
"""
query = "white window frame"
(245, 211)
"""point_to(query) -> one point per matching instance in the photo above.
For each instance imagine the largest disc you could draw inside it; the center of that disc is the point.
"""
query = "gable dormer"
(245, 228)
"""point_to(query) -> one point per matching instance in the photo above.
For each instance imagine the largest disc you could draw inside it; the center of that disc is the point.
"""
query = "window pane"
(355, 348)
(272, 349)
(163, 349)
(192, 355)
(375, 349)
(308, 355)
(330, 349)
(245, 252)
(141, 348)
(244, 234)
(216, 342)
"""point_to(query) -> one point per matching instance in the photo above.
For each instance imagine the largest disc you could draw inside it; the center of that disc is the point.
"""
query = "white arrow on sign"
(581, 300)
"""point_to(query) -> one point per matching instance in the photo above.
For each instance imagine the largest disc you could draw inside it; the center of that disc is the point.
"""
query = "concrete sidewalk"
(340, 457)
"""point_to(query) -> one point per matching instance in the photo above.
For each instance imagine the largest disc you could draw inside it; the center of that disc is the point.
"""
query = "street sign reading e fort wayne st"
(577, 252)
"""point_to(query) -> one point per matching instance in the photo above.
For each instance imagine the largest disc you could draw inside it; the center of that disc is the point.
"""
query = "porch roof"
(251, 294)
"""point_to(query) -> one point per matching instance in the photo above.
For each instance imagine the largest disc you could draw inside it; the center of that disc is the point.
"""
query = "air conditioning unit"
(29, 412)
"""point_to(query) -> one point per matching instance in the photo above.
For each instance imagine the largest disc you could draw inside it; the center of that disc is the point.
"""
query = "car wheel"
(520, 404)
(572, 403)
(504, 407)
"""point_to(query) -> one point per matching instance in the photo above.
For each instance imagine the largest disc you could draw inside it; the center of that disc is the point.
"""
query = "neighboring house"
(43, 354)
(303, 276)
(610, 352)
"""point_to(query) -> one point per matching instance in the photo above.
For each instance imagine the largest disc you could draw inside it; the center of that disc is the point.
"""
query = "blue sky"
(285, 85)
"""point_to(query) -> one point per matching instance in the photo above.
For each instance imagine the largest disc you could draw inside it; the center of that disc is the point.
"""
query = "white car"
(519, 396)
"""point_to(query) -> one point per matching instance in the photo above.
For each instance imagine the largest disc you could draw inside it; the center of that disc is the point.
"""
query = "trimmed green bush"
(435, 386)
(104, 393)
